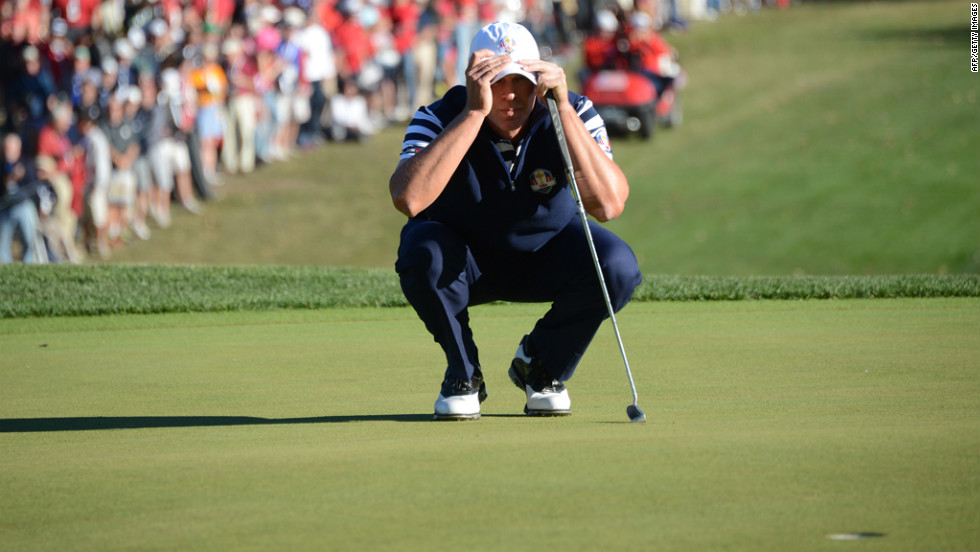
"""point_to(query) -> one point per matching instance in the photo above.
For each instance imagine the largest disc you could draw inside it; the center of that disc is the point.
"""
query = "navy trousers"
(441, 276)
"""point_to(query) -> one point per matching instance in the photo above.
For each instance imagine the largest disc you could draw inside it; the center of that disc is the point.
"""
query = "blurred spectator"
(81, 65)
(25, 21)
(353, 47)
(54, 145)
(350, 114)
(18, 214)
(425, 56)
(283, 63)
(144, 61)
(293, 98)
(599, 49)
(466, 23)
(238, 150)
(110, 74)
(209, 79)
(138, 119)
(30, 94)
(653, 56)
(57, 55)
(123, 151)
(269, 65)
(98, 164)
(126, 71)
(81, 17)
(321, 72)
(169, 155)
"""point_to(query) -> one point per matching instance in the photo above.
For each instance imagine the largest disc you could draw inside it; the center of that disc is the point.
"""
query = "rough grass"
(117, 289)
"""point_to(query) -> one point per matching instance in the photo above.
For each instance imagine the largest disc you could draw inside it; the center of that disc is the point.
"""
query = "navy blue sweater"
(482, 202)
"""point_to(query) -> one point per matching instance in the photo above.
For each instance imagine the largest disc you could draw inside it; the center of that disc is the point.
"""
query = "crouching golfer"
(491, 217)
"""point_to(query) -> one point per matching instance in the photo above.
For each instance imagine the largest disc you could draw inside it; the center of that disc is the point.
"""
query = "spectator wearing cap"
(98, 165)
(18, 213)
(238, 149)
(54, 144)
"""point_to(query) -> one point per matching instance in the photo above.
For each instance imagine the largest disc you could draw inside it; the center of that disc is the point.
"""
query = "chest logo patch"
(542, 181)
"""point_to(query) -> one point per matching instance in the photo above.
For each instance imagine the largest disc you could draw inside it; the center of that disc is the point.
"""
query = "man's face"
(513, 99)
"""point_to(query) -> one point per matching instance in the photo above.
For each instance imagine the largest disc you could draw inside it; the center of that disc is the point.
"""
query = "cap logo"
(507, 45)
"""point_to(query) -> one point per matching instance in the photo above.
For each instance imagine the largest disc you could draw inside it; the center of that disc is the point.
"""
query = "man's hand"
(483, 68)
(550, 77)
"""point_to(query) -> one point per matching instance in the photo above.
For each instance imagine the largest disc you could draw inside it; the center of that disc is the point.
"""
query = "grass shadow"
(29, 425)
(94, 423)
(954, 36)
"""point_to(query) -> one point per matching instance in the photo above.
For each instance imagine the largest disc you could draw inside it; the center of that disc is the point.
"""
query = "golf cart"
(628, 101)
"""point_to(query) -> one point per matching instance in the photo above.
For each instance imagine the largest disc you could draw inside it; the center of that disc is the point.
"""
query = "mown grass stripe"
(57, 290)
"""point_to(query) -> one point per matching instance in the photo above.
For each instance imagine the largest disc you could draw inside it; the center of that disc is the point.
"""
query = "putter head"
(636, 415)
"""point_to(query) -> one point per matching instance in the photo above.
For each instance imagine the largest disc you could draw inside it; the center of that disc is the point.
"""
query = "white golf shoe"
(460, 399)
(546, 396)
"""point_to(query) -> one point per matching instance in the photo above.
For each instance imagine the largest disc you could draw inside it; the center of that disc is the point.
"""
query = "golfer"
(491, 217)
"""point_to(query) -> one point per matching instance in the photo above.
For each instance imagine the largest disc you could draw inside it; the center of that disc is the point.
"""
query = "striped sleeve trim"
(595, 125)
(421, 131)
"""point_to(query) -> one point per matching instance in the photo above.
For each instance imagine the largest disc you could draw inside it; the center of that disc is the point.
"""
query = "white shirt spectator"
(315, 42)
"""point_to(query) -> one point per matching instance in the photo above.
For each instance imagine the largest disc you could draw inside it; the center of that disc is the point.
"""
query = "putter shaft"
(570, 174)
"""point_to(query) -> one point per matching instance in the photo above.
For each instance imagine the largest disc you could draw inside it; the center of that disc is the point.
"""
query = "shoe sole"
(547, 413)
(455, 417)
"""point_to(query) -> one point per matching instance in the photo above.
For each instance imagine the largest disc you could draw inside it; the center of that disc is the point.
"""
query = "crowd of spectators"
(110, 110)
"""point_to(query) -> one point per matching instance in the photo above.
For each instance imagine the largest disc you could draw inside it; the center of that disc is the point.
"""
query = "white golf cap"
(501, 38)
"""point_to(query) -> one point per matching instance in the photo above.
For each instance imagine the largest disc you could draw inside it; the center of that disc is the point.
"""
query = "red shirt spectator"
(215, 12)
(54, 142)
(405, 20)
(600, 52)
(353, 45)
(330, 18)
(651, 50)
(24, 21)
(78, 13)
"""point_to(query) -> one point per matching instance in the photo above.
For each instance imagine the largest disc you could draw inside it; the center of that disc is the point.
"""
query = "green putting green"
(771, 425)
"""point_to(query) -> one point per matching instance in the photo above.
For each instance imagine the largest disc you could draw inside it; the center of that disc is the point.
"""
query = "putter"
(633, 411)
